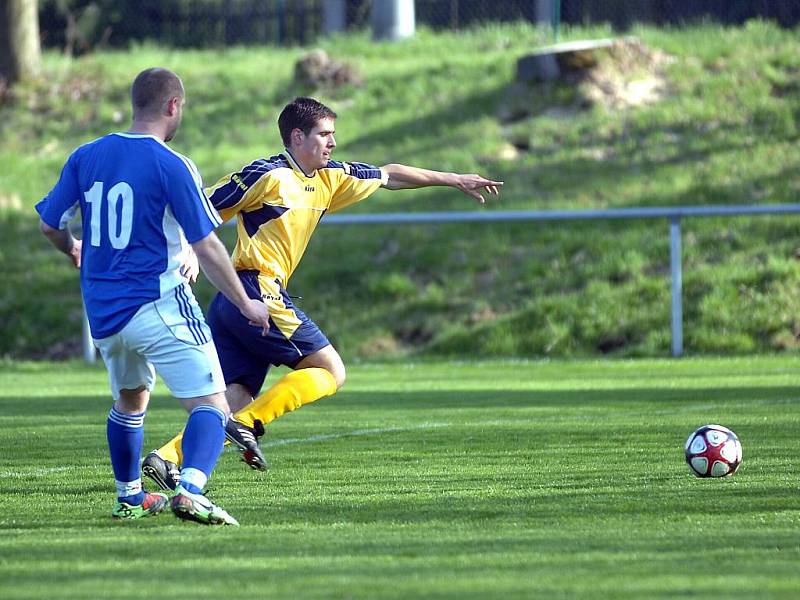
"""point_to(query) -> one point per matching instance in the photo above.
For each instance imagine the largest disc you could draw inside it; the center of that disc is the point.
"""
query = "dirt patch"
(624, 75)
(630, 75)
(316, 69)
(380, 345)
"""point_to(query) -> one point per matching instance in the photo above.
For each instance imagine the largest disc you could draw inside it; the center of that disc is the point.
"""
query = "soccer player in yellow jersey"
(278, 203)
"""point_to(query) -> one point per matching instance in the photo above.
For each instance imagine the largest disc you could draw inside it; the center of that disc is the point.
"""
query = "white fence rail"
(673, 214)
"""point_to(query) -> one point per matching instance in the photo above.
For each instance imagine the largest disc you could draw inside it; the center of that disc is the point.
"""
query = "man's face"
(313, 151)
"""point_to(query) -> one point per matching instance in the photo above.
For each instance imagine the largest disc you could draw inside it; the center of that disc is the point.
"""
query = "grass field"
(439, 480)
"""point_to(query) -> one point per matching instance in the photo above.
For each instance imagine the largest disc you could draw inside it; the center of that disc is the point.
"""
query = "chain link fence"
(622, 14)
(81, 25)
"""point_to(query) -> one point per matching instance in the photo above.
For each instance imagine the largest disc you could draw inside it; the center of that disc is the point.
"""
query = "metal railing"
(674, 214)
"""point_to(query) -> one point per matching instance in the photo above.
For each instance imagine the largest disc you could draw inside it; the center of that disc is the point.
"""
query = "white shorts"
(168, 336)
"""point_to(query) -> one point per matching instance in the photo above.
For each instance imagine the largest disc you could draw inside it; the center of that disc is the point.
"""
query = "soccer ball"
(713, 451)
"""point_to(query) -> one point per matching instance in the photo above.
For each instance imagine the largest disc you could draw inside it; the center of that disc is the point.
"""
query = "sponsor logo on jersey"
(309, 188)
(239, 182)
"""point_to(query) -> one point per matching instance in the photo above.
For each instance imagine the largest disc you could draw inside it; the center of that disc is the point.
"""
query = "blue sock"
(202, 444)
(125, 436)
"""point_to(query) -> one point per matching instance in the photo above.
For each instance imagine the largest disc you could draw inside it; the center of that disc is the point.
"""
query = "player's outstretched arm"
(64, 241)
(216, 264)
(403, 177)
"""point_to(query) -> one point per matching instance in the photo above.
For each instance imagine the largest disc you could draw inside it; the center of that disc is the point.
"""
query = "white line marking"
(33, 472)
(354, 433)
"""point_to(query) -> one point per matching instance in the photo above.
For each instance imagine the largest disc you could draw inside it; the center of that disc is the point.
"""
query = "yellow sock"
(172, 450)
(289, 393)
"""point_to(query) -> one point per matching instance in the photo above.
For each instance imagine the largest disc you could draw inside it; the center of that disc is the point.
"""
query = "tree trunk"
(20, 50)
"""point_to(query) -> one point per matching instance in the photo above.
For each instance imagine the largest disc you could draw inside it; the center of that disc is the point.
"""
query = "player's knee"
(335, 367)
(327, 358)
(217, 400)
(132, 401)
(339, 374)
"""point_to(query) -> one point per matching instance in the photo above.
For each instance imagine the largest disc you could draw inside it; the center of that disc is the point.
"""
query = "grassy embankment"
(725, 132)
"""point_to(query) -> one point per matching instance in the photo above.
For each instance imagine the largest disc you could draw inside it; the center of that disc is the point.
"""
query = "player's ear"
(297, 135)
(173, 104)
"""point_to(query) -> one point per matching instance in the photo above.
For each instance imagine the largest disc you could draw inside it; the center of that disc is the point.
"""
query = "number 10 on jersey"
(119, 212)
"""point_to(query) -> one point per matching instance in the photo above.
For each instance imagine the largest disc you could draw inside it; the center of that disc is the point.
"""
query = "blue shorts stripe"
(186, 312)
(182, 311)
(198, 322)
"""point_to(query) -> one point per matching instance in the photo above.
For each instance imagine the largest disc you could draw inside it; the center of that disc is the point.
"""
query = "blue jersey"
(141, 205)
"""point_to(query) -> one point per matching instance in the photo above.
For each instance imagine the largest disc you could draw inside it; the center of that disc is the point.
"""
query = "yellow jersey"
(277, 208)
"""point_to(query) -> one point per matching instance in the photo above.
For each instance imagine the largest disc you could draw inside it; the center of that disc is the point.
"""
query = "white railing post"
(677, 285)
(89, 351)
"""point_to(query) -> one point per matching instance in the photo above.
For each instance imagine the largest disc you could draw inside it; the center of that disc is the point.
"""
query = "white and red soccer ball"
(713, 451)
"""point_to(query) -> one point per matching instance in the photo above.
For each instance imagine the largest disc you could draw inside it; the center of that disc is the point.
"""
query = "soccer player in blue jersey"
(143, 207)
(278, 203)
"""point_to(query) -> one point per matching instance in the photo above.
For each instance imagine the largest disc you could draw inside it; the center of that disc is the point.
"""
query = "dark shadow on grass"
(640, 151)
(80, 406)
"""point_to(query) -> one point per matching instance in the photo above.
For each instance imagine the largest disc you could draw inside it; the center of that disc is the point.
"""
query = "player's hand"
(75, 253)
(257, 314)
(473, 184)
(191, 266)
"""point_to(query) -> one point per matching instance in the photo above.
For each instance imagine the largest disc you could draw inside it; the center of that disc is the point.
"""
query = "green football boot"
(196, 507)
(152, 505)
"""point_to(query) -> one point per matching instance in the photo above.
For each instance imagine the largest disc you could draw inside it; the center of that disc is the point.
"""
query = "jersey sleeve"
(356, 182)
(192, 209)
(62, 202)
(242, 190)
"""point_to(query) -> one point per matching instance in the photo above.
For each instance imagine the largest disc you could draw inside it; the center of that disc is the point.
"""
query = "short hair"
(152, 88)
(303, 114)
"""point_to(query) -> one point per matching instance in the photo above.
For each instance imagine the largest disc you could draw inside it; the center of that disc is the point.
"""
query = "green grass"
(726, 132)
(510, 479)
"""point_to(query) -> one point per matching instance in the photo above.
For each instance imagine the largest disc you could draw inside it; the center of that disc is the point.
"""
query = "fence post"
(393, 20)
(548, 14)
(334, 16)
(677, 285)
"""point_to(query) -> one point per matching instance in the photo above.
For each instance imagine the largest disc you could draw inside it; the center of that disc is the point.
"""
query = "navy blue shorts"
(246, 355)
